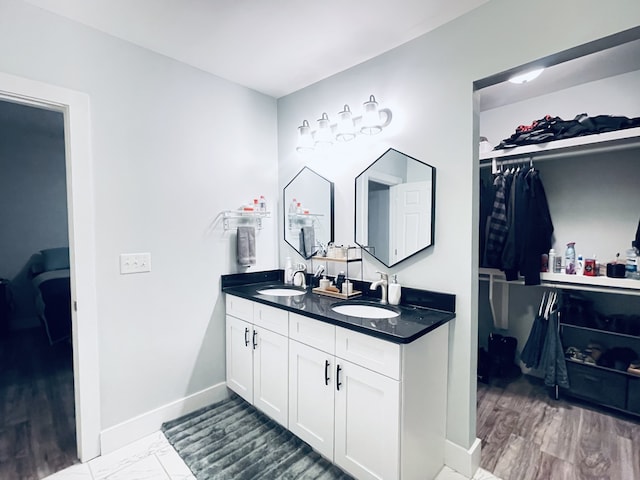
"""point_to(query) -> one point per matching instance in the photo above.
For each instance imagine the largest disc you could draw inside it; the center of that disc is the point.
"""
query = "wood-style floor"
(37, 424)
(527, 435)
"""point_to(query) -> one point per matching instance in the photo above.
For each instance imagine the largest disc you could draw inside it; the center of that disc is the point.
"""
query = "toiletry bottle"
(288, 272)
(394, 291)
(262, 204)
(552, 261)
(570, 259)
(631, 267)
(293, 205)
(339, 279)
(580, 265)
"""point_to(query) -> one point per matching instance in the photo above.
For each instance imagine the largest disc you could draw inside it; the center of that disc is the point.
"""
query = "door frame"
(74, 106)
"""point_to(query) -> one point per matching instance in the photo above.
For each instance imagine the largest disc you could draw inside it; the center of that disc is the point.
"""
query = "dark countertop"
(412, 323)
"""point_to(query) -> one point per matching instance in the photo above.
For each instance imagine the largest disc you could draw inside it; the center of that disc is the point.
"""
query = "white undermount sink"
(364, 311)
(281, 292)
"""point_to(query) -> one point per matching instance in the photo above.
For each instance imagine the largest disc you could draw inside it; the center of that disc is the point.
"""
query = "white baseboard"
(462, 460)
(145, 424)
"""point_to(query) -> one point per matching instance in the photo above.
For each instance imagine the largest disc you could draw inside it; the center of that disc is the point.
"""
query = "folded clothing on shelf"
(551, 128)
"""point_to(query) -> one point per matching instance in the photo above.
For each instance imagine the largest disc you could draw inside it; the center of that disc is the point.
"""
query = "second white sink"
(364, 311)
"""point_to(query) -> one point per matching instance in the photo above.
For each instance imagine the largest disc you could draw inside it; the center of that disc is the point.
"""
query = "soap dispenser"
(395, 291)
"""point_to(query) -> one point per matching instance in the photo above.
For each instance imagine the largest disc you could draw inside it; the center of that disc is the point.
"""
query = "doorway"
(36, 380)
(81, 230)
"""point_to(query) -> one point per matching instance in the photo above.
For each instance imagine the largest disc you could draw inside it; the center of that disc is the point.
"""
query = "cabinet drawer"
(271, 318)
(607, 388)
(239, 308)
(314, 333)
(369, 352)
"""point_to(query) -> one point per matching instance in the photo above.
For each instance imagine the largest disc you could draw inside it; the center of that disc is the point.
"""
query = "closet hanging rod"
(505, 162)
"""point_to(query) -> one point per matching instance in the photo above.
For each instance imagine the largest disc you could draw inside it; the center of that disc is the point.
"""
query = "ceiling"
(275, 46)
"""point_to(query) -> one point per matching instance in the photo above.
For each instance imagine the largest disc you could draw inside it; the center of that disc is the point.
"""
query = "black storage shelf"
(609, 387)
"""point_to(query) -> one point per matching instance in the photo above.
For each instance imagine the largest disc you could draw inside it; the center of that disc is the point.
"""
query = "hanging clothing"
(497, 225)
(553, 363)
(537, 229)
(511, 252)
(532, 351)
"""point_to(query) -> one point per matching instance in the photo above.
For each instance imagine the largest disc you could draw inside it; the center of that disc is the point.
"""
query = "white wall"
(428, 85)
(171, 149)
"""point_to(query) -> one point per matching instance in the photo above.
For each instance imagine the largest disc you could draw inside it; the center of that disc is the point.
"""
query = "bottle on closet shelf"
(631, 266)
(570, 259)
(580, 265)
(551, 261)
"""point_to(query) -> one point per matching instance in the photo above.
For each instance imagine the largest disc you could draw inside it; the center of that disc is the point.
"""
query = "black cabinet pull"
(255, 344)
(338, 377)
(246, 337)
(326, 372)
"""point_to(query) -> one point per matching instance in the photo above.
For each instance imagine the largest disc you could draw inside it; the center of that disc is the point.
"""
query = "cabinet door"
(239, 357)
(311, 405)
(270, 374)
(367, 423)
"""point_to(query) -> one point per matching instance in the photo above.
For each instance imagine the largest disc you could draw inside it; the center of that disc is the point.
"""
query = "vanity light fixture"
(372, 121)
(345, 129)
(526, 76)
(305, 139)
(323, 136)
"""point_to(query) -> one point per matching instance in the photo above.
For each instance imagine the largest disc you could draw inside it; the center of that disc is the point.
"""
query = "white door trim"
(75, 107)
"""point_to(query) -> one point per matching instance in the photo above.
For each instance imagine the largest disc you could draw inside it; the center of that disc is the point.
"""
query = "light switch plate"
(135, 263)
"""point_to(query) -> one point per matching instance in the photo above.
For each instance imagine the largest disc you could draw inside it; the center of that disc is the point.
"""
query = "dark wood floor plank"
(553, 468)
(37, 424)
(519, 461)
(527, 434)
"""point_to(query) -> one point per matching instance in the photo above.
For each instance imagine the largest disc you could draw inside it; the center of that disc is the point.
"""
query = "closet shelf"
(598, 330)
(627, 286)
(601, 142)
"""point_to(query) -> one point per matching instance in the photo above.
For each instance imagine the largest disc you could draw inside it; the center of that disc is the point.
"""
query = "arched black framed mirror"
(395, 207)
(308, 212)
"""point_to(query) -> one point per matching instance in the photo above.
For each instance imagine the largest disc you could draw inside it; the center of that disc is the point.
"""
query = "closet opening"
(556, 386)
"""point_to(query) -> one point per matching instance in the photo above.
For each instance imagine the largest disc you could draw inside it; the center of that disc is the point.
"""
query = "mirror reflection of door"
(394, 207)
(409, 219)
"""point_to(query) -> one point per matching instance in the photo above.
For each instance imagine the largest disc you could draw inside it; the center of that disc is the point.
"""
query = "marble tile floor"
(153, 458)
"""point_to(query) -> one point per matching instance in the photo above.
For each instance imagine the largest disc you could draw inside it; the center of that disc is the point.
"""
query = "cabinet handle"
(326, 372)
(255, 344)
(246, 337)
(338, 377)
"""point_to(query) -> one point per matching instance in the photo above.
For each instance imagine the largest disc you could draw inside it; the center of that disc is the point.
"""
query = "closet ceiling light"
(372, 121)
(527, 76)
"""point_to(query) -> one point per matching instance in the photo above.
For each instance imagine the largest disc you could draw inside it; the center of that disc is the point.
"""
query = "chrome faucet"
(300, 268)
(382, 283)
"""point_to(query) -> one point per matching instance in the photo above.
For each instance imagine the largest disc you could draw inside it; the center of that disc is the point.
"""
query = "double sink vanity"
(363, 383)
